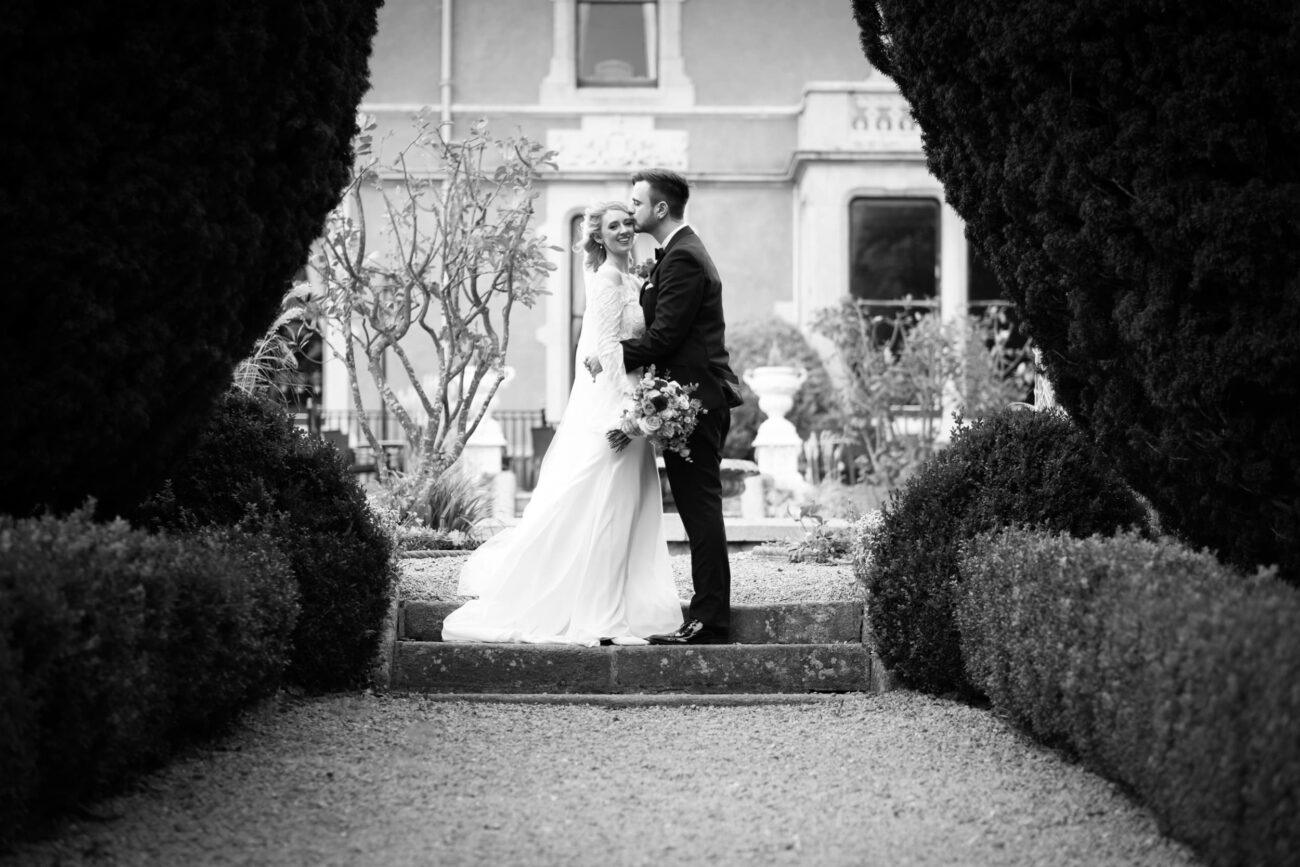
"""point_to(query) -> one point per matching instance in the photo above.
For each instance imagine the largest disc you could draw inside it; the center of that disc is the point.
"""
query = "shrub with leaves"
(1157, 666)
(1011, 468)
(117, 645)
(449, 502)
(901, 374)
(254, 468)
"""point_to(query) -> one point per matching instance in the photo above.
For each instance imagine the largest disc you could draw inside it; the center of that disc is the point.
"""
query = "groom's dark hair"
(666, 186)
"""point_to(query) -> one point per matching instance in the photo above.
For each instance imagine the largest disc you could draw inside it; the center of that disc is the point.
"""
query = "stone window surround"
(560, 87)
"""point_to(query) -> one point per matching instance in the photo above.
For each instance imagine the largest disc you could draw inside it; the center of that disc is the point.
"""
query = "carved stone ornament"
(619, 149)
(882, 121)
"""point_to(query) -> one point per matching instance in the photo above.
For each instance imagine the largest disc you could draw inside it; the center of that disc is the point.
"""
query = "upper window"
(617, 53)
(894, 250)
(618, 43)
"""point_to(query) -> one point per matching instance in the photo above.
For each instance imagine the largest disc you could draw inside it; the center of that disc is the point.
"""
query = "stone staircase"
(777, 649)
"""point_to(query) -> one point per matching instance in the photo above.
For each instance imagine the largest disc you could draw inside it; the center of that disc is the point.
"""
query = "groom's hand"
(593, 366)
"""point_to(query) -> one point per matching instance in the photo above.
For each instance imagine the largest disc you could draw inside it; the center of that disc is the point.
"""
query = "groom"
(682, 301)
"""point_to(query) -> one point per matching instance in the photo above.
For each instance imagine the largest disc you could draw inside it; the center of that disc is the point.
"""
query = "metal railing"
(527, 436)
(526, 431)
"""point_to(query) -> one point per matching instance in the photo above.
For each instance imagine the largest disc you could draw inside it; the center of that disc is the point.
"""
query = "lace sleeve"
(606, 320)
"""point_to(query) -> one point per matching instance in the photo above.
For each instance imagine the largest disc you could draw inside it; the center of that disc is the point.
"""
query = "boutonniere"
(643, 268)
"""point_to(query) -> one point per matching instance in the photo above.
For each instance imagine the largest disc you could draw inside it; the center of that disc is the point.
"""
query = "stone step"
(431, 666)
(788, 623)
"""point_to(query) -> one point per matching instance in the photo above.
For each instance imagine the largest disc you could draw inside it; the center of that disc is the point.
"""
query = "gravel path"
(896, 779)
(362, 779)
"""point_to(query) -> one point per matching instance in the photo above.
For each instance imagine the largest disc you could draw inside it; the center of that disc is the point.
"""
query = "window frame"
(672, 87)
(906, 303)
(651, 80)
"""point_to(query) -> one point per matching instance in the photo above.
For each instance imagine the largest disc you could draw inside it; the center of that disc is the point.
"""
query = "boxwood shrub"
(117, 645)
(1159, 667)
(252, 467)
(1009, 468)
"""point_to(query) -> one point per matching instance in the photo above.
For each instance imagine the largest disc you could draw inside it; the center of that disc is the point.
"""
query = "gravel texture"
(755, 578)
(362, 779)
(893, 779)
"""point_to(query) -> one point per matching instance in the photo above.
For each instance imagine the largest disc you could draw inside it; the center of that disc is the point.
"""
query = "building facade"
(809, 182)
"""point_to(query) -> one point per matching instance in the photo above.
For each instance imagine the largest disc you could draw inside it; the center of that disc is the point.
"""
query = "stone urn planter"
(776, 443)
(734, 473)
(776, 386)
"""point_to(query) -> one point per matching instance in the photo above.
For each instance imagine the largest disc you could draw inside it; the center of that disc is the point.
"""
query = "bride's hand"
(593, 367)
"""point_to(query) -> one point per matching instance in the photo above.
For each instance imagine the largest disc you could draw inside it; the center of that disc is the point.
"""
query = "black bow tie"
(659, 253)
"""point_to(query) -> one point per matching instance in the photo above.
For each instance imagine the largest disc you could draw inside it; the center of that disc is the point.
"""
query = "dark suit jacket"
(685, 331)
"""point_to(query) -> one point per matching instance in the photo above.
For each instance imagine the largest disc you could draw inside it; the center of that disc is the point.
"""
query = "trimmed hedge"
(1010, 468)
(178, 160)
(1159, 667)
(118, 645)
(1128, 168)
(252, 467)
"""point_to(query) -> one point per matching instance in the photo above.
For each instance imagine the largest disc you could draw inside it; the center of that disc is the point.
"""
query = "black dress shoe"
(692, 632)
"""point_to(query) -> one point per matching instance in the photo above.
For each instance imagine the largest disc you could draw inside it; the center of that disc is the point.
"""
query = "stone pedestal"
(777, 444)
(505, 487)
(485, 450)
(752, 503)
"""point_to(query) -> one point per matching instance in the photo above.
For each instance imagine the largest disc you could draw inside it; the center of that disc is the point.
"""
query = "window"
(618, 44)
(894, 252)
(577, 291)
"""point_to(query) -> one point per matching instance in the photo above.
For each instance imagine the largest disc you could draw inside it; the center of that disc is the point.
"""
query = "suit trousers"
(697, 492)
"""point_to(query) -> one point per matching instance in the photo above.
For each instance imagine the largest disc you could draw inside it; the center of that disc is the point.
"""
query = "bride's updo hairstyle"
(592, 219)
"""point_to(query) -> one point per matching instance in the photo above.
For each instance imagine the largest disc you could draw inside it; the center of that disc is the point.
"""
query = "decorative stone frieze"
(882, 121)
(614, 144)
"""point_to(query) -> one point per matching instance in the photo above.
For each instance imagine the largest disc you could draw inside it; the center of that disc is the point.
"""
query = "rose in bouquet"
(661, 410)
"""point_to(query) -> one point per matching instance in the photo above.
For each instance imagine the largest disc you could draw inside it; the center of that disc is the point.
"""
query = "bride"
(588, 561)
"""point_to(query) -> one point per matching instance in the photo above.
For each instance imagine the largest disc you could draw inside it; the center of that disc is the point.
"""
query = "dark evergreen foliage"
(169, 165)
(1129, 169)
(1011, 468)
(252, 468)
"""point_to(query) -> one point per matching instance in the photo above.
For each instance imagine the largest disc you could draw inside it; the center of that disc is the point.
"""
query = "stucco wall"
(406, 53)
(762, 52)
(502, 50)
(736, 145)
(746, 228)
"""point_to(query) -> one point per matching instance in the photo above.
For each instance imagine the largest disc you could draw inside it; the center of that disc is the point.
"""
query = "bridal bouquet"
(643, 268)
(662, 411)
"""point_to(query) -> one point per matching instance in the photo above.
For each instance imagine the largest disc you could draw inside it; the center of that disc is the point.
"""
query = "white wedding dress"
(588, 560)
